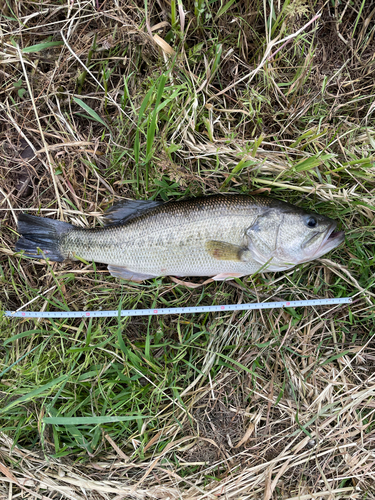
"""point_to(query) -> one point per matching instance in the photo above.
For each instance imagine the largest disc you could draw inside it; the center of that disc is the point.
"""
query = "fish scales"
(171, 238)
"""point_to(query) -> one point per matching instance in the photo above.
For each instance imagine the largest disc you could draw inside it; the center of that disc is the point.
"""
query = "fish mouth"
(331, 240)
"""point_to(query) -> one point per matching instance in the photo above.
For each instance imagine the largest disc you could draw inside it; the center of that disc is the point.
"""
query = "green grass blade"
(137, 139)
(224, 8)
(91, 420)
(36, 392)
(237, 169)
(90, 111)
(41, 46)
(313, 161)
(152, 126)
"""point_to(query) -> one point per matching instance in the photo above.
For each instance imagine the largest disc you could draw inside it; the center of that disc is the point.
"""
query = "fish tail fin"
(40, 238)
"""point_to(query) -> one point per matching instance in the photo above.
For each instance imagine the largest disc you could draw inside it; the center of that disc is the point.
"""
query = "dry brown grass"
(244, 406)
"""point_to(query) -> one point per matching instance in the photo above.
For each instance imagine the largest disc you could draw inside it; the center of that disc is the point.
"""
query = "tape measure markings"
(176, 310)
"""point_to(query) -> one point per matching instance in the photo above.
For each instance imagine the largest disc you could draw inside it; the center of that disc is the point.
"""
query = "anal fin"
(126, 274)
(227, 276)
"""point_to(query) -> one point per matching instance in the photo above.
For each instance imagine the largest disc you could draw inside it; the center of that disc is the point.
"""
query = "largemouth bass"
(222, 236)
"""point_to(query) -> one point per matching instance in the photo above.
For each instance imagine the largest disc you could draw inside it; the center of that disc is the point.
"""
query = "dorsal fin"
(125, 210)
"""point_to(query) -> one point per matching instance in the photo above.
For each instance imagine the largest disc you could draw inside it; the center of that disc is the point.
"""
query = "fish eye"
(311, 222)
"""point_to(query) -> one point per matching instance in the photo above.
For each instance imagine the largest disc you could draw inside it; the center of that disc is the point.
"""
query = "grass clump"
(103, 100)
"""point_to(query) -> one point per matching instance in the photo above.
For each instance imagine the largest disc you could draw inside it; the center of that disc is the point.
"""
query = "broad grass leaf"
(90, 111)
(224, 8)
(36, 392)
(312, 162)
(41, 46)
(91, 420)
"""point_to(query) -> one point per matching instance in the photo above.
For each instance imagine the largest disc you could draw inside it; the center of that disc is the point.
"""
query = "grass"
(272, 98)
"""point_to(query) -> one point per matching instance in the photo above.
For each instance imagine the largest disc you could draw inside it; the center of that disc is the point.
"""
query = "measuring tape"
(177, 310)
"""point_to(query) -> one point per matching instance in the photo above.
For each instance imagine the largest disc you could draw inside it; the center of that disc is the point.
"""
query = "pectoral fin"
(221, 250)
(126, 274)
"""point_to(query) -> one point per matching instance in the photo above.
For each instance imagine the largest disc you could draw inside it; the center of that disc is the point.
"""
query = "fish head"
(284, 236)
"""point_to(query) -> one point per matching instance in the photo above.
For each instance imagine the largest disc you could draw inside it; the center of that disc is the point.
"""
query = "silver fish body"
(221, 236)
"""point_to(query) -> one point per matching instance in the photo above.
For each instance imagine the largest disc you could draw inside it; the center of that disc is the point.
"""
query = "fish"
(219, 236)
